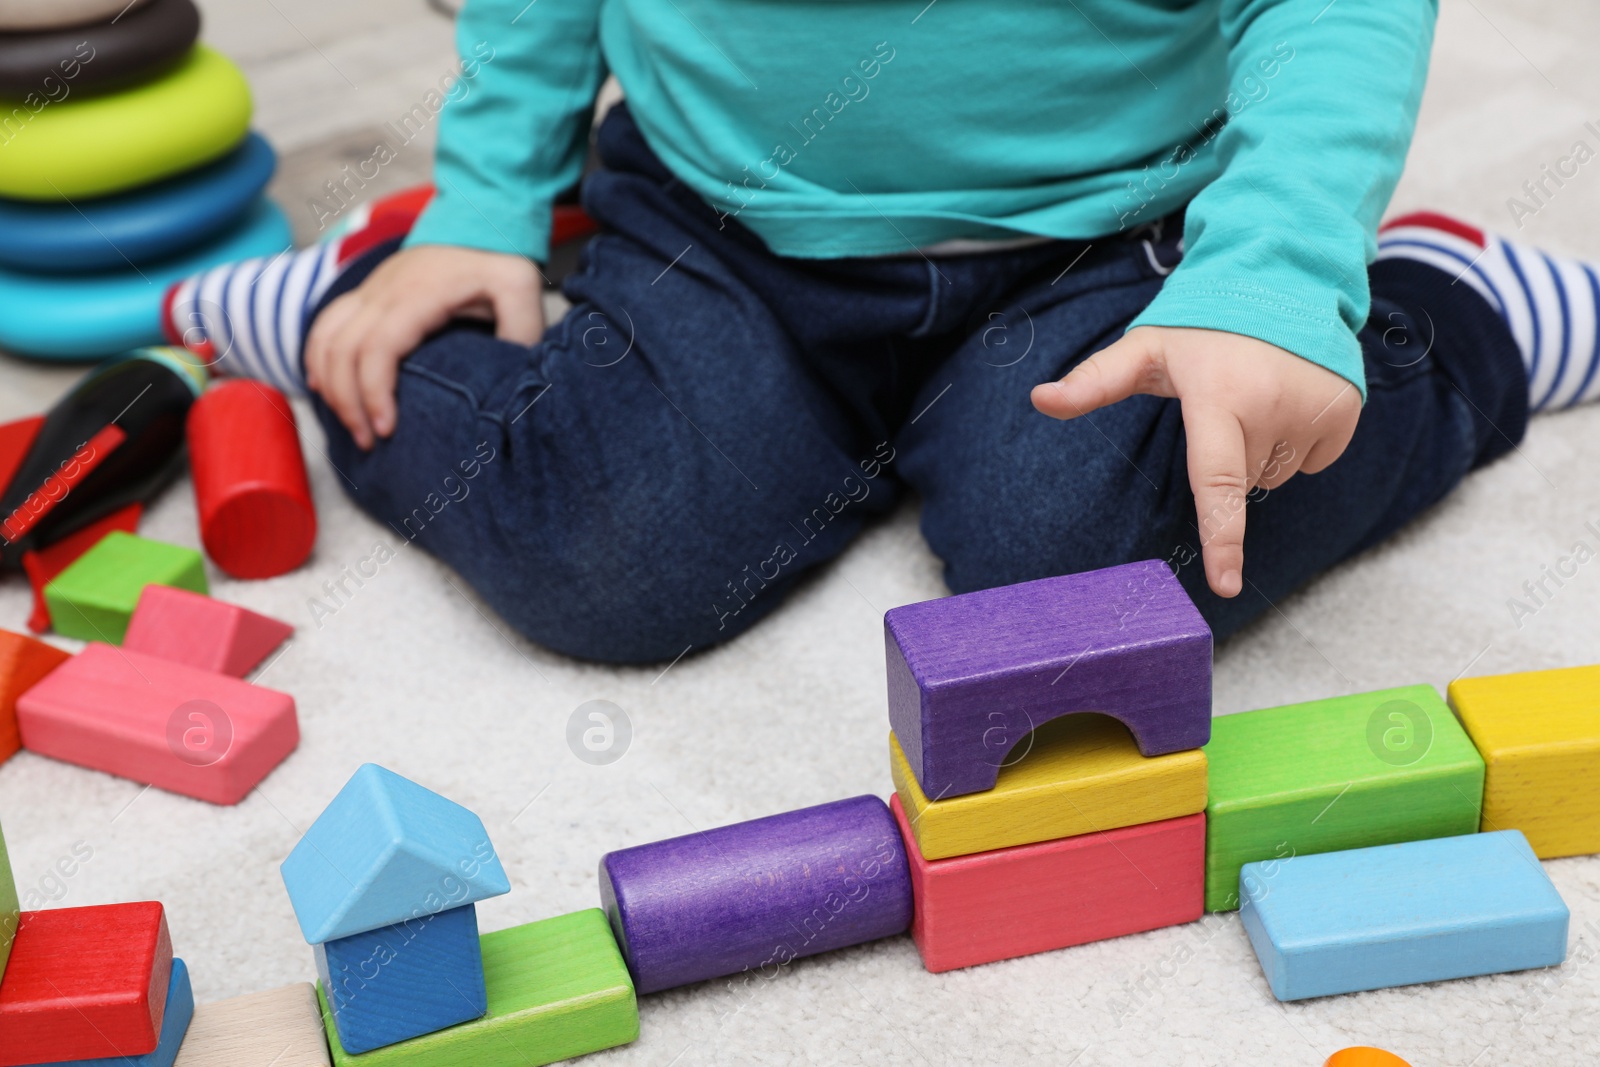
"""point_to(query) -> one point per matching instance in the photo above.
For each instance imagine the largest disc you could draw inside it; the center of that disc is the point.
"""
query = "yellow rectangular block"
(1539, 735)
(278, 1028)
(1082, 773)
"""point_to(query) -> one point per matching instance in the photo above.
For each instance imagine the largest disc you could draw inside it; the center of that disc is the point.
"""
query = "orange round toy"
(250, 485)
(1362, 1056)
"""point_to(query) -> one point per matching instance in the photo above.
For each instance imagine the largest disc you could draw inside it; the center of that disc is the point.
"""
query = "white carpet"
(412, 673)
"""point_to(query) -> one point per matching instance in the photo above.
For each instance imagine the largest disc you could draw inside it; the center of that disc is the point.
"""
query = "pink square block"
(186, 730)
(1033, 898)
(191, 628)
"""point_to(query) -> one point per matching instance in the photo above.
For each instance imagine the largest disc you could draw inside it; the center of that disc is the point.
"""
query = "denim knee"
(633, 602)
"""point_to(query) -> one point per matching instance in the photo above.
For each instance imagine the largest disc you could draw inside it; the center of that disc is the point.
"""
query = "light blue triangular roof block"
(387, 850)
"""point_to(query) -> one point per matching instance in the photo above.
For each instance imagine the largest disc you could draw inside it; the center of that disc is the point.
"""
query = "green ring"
(87, 146)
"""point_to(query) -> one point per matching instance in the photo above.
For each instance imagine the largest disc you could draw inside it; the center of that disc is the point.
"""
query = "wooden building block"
(1370, 769)
(189, 731)
(23, 662)
(94, 598)
(757, 894)
(1421, 911)
(10, 911)
(399, 982)
(557, 989)
(1033, 898)
(43, 564)
(1364, 1056)
(192, 628)
(278, 1028)
(251, 492)
(1539, 735)
(971, 675)
(15, 440)
(384, 851)
(175, 1020)
(1081, 774)
(85, 983)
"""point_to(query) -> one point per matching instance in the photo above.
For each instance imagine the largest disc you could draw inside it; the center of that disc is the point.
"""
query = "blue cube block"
(1423, 911)
(406, 980)
(385, 851)
(175, 1019)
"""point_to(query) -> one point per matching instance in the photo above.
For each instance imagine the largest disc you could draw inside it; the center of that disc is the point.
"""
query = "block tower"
(1045, 748)
(385, 885)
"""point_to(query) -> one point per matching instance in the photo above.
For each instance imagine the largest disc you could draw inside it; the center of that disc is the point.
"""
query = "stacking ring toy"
(66, 61)
(53, 14)
(136, 227)
(87, 316)
(86, 146)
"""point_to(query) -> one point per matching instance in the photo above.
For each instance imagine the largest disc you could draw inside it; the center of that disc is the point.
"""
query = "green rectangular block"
(94, 598)
(1371, 769)
(10, 912)
(557, 988)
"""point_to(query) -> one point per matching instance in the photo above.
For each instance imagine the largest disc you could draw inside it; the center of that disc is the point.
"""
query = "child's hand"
(1254, 414)
(353, 354)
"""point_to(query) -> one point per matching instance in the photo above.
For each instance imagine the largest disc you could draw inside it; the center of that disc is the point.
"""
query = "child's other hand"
(353, 354)
(1255, 415)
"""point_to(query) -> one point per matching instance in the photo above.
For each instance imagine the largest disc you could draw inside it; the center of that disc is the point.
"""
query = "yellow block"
(1083, 773)
(1539, 735)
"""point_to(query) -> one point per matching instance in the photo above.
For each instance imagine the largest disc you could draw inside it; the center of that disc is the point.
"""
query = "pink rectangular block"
(1033, 898)
(191, 628)
(189, 731)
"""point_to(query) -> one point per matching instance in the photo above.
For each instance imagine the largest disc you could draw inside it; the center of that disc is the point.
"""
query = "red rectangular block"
(1033, 898)
(85, 984)
(192, 628)
(190, 731)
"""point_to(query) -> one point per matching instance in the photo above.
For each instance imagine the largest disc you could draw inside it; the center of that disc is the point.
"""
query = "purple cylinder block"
(757, 894)
(971, 675)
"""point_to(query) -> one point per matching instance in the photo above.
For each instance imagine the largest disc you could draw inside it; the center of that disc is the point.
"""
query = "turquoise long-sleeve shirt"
(875, 127)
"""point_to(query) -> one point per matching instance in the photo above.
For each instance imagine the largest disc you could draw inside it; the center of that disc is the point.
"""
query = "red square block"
(85, 984)
(192, 628)
(1033, 898)
(189, 731)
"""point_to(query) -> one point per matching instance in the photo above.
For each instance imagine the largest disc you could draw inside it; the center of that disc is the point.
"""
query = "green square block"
(10, 913)
(94, 598)
(557, 988)
(1370, 769)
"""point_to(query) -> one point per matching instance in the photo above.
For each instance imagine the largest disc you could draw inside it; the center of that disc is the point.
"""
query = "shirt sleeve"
(515, 134)
(1322, 103)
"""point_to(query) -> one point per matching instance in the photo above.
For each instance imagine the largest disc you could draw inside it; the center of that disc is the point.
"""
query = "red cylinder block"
(256, 515)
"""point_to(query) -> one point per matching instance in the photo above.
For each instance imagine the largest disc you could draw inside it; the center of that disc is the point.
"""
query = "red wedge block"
(212, 635)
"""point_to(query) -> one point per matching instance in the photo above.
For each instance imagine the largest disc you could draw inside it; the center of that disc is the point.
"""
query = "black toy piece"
(116, 438)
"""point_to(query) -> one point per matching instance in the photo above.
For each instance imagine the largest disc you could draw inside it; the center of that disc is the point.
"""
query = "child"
(843, 244)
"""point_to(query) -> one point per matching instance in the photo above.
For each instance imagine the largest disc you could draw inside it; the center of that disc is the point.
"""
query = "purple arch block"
(756, 895)
(971, 675)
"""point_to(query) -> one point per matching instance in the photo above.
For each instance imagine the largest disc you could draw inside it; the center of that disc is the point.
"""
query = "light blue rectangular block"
(1393, 915)
(175, 1019)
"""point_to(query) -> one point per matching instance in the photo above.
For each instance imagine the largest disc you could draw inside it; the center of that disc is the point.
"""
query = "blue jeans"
(712, 421)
